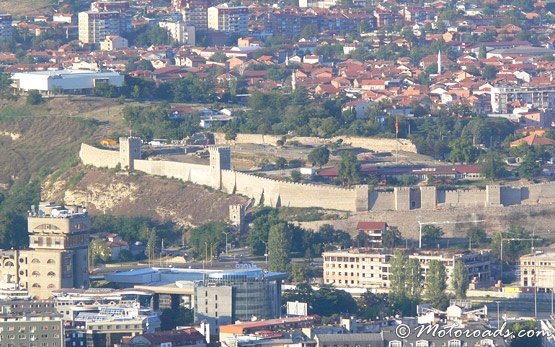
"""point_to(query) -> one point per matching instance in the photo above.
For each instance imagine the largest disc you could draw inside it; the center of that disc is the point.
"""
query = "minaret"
(293, 81)
(439, 63)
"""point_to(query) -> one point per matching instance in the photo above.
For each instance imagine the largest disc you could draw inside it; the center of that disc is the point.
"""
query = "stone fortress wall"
(378, 145)
(270, 192)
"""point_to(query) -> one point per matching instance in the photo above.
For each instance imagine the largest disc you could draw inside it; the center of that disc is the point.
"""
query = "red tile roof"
(371, 225)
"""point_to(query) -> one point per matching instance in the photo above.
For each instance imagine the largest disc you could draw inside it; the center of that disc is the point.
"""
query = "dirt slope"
(105, 191)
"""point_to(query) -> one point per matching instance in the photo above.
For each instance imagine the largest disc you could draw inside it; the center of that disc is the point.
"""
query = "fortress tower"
(220, 159)
(237, 216)
(129, 150)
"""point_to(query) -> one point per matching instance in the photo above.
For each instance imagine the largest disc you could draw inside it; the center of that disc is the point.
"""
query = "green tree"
(512, 248)
(34, 98)
(431, 235)
(349, 168)
(391, 237)
(436, 285)
(99, 252)
(489, 72)
(326, 301)
(281, 163)
(462, 151)
(530, 166)
(476, 236)
(299, 273)
(405, 283)
(373, 305)
(208, 240)
(482, 53)
(177, 316)
(459, 280)
(296, 176)
(219, 57)
(279, 247)
(319, 156)
(152, 246)
(491, 165)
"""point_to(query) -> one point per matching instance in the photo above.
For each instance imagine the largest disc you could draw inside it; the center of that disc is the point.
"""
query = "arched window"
(8, 264)
(51, 261)
(51, 274)
(35, 261)
(50, 286)
(36, 285)
(35, 274)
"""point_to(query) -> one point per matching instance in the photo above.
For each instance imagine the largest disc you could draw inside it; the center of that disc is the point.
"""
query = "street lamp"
(226, 232)
(497, 302)
(420, 224)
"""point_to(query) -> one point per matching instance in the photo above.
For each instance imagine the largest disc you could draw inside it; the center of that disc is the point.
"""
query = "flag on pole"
(396, 125)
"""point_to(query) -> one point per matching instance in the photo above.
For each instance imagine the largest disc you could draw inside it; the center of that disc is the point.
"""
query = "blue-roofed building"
(218, 297)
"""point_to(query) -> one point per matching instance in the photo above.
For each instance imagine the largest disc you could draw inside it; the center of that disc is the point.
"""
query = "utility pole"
(226, 232)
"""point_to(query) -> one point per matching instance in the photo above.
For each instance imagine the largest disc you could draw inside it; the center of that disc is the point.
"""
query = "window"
(36, 285)
(487, 343)
(51, 274)
(35, 274)
(51, 261)
(422, 343)
(454, 343)
(395, 344)
(35, 261)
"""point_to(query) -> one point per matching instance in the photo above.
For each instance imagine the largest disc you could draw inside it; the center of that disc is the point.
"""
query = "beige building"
(370, 268)
(194, 12)
(538, 270)
(113, 43)
(228, 19)
(58, 252)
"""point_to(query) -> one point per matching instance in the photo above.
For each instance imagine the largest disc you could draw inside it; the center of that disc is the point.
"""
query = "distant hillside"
(25, 7)
(31, 143)
(126, 194)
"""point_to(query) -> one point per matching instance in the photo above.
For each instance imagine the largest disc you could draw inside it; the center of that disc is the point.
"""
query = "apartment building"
(505, 99)
(370, 268)
(95, 26)
(229, 19)
(6, 32)
(179, 31)
(58, 252)
(538, 270)
(30, 323)
(194, 12)
(108, 5)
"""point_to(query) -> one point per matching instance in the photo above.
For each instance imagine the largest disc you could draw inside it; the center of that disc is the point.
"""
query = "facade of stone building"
(57, 256)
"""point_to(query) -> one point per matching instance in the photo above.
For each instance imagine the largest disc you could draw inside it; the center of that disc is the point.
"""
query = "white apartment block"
(179, 31)
(228, 19)
(94, 27)
(370, 268)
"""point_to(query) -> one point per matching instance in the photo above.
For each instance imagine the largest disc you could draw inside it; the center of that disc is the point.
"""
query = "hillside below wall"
(375, 144)
(98, 157)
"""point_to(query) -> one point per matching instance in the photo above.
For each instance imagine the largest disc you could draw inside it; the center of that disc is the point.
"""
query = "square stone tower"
(129, 150)
(220, 159)
(237, 216)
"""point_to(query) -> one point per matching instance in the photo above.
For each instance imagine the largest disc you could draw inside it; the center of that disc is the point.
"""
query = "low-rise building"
(113, 43)
(370, 268)
(538, 270)
(64, 81)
